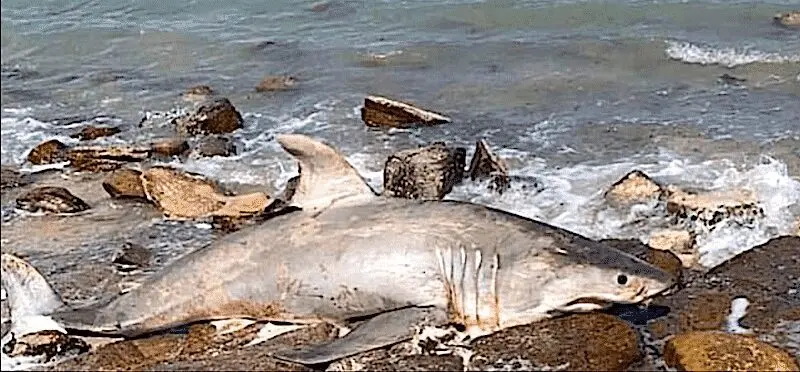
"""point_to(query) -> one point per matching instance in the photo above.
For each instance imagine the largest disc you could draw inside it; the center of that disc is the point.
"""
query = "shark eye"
(622, 279)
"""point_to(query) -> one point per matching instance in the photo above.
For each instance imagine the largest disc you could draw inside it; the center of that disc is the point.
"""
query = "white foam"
(738, 311)
(688, 52)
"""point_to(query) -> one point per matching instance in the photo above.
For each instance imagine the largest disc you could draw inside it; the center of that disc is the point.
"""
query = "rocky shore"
(95, 227)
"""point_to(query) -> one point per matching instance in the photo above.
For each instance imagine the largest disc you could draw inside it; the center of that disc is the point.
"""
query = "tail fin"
(28, 292)
(326, 177)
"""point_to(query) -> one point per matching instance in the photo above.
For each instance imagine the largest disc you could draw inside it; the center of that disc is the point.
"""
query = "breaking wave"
(693, 53)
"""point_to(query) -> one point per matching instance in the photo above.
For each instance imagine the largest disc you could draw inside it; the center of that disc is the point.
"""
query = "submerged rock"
(215, 145)
(680, 242)
(48, 152)
(634, 188)
(273, 83)
(169, 147)
(719, 351)
(703, 212)
(788, 19)
(49, 343)
(485, 164)
(385, 112)
(428, 172)
(90, 133)
(51, 199)
(125, 183)
(212, 117)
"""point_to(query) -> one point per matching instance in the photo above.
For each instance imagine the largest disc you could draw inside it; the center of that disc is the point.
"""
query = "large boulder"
(384, 112)
(51, 199)
(486, 165)
(214, 116)
(634, 188)
(428, 172)
(48, 152)
(720, 351)
(125, 184)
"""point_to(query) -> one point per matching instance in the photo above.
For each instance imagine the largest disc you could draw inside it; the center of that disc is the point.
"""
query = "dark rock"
(212, 117)
(720, 351)
(633, 188)
(90, 133)
(424, 173)
(11, 178)
(216, 145)
(291, 187)
(385, 112)
(48, 343)
(125, 183)
(169, 147)
(48, 152)
(731, 80)
(485, 164)
(133, 256)
(51, 199)
(273, 83)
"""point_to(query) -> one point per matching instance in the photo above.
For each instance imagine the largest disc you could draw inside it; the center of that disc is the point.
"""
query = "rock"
(49, 343)
(132, 256)
(719, 351)
(679, 242)
(290, 188)
(788, 19)
(580, 342)
(216, 146)
(197, 93)
(125, 183)
(90, 133)
(187, 195)
(212, 117)
(384, 112)
(703, 212)
(48, 152)
(424, 173)
(273, 83)
(486, 164)
(634, 188)
(51, 199)
(105, 159)
(11, 178)
(169, 147)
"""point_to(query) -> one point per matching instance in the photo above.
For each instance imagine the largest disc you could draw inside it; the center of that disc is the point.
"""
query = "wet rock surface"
(48, 152)
(215, 145)
(486, 165)
(680, 242)
(428, 172)
(105, 159)
(214, 116)
(91, 133)
(124, 184)
(703, 212)
(169, 147)
(719, 351)
(633, 188)
(275, 83)
(47, 343)
(51, 199)
(384, 112)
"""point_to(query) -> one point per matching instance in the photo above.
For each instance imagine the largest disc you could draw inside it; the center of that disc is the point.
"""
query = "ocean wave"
(693, 53)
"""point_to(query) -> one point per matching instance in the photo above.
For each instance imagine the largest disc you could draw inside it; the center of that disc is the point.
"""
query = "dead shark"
(352, 257)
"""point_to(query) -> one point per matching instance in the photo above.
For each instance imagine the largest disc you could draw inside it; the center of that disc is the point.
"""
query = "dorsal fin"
(326, 177)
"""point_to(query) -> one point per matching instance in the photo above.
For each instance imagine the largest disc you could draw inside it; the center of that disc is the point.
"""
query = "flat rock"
(486, 165)
(215, 145)
(125, 183)
(680, 242)
(48, 343)
(91, 132)
(48, 152)
(719, 351)
(132, 256)
(634, 188)
(51, 199)
(105, 158)
(384, 112)
(214, 116)
(428, 172)
(788, 19)
(703, 212)
(169, 147)
(275, 83)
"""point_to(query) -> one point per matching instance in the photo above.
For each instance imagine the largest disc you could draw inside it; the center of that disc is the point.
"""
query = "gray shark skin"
(396, 262)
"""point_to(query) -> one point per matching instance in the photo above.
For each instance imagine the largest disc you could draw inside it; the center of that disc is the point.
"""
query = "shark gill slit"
(477, 282)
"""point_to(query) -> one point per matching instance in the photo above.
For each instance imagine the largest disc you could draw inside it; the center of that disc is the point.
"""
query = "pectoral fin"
(379, 331)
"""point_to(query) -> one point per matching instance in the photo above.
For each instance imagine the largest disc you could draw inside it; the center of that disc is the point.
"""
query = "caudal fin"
(28, 292)
(326, 177)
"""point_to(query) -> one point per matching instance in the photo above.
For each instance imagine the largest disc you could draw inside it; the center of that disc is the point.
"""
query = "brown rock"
(52, 151)
(125, 183)
(132, 256)
(212, 117)
(581, 342)
(169, 147)
(679, 242)
(424, 173)
(385, 112)
(197, 93)
(486, 164)
(719, 351)
(90, 133)
(51, 199)
(634, 188)
(788, 19)
(48, 343)
(702, 212)
(105, 159)
(11, 178)
(273, 83)
(216, 146)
